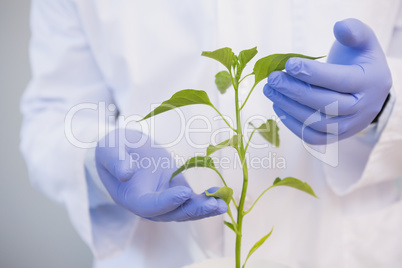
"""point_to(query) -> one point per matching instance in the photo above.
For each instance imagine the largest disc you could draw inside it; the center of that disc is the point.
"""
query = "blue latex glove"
(142, 183)
(326, 102)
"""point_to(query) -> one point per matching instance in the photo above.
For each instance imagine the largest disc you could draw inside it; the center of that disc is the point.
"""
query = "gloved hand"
(137, 176)
(326, 102)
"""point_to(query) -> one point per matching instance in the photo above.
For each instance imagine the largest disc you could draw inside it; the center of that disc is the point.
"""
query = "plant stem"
(240, 209)
(255, 202)
(248, 96)
(227, 123)
(220, 175)
(249, 139)
(229, 212)
(224, 183)
(245, 77)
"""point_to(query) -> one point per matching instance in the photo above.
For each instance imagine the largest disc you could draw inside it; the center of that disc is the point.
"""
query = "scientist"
(108, 61)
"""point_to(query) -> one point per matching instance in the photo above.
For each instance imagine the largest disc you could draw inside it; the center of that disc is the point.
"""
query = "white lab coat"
(137, 53)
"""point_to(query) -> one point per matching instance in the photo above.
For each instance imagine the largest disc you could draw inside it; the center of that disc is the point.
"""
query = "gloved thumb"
(354, 33)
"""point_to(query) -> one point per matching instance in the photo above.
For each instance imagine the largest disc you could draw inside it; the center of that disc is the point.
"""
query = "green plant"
(235, 65)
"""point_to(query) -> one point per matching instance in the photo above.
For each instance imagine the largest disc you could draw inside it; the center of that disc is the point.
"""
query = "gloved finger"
(337, 77)
(198, 207)
(327, 101)
(222, 209)
(155, 203)
(170, 218)
(355, 34)
(109, 180)
(121, 168)
(113, 155)
(308, 117)
(213, 189)
(305, 133)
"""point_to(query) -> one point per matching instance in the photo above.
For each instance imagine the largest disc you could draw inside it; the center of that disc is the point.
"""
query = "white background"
(34, 232)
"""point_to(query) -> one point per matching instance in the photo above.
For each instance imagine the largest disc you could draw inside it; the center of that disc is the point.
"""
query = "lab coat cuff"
(386, 113)
(372, 133)
(353, 154)
(369, 157)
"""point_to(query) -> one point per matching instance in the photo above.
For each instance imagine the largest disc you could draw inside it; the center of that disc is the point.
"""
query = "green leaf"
(277, 180)
(181, 98)
(246, 55)
(295, 183)
(225, 193)
(235, 61)
(233, 141)
(230, 225)
(275, 62)
(197, 161)
(269, 131)
(257, 245)
(223, 55)
(223, 81)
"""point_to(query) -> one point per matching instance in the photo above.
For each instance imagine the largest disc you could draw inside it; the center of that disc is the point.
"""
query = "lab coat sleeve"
(384, 162)
(373, 156)
(65, 111)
